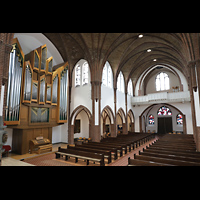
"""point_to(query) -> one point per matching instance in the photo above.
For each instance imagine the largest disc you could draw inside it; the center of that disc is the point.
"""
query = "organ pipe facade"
(36, 92)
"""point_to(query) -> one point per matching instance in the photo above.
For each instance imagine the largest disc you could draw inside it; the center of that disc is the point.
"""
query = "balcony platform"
(161, 97)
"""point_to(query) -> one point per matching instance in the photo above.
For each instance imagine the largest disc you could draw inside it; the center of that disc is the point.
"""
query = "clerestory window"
(81, 74)
(120, 82)
(162, 81)
(107, 75)
(130, 88)
(77, 75)
(85, 73)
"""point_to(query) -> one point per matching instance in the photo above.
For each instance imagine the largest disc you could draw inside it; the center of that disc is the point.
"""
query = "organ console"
(36, 96)
(40, 144)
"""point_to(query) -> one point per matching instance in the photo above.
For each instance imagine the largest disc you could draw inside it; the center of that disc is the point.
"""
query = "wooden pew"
(107, 153)
(166, 160)
(178, 153)
(131, 140)
(119, 147)
(123, 145)
(113, 150)
(95, 157)
(171, 150)
(171, 156)
(135, 162)
(126, 145)
(171, 146)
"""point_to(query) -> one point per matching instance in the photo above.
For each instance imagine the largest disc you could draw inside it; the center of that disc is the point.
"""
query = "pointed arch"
(110, 113)
(131, 115)
(77, 110)
(122, 114)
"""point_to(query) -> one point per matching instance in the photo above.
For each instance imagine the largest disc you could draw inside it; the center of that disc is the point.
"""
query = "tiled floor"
(15, 159)
(8, 161)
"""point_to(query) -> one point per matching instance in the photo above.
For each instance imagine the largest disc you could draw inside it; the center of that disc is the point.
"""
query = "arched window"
(162, 81)
(151, 119)
(164, 110)
(107, 75)
(130, 88)
(179, 119)
(81, 74)
(85, 73)
(77, 75)
(120, 82)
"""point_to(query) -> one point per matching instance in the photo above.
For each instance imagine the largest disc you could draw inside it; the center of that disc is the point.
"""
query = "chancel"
(100, 99)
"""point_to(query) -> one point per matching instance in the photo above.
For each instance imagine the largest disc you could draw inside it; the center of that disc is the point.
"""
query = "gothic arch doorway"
(107, 122)
(153, 109)
(121, 122)
(85, 118)
(130, 121)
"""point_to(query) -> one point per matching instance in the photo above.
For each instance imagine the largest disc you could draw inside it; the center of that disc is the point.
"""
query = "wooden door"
(164, 125)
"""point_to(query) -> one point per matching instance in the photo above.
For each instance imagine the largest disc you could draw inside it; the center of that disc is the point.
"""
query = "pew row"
(77, 154)
(171, 150)
(107, 153)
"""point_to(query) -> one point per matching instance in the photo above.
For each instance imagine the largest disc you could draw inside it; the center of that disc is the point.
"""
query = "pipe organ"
(36, 94)
(63, 98)
(14, 84)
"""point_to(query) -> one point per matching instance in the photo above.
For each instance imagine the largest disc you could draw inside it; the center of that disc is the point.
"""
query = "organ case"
(41, 100)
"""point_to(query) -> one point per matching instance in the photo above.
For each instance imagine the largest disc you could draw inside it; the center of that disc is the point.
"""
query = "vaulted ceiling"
(127, 52)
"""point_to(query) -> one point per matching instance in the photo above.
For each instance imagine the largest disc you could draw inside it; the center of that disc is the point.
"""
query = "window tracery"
(179, 119)
(162, 81)
(107, 75)
(164, 110)
(151, 119)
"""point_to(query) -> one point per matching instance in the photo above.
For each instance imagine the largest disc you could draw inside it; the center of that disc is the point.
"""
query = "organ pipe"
(43, 88)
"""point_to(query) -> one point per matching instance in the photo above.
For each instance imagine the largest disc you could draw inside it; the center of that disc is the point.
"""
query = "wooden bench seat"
(166, 160)
(126, 145)
(123, 146)
(171, 156)
(112, 149)
(107, 153)
(178, 153)
(119, 147)
(135, 162)
(174, 147)
(170, 149)
(95, 157)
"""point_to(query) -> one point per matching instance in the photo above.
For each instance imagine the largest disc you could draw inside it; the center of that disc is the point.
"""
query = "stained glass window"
(179, 119)
(164, 110)
(151, 119)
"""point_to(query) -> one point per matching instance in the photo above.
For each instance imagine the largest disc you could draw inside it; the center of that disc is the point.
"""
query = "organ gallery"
(36, 97)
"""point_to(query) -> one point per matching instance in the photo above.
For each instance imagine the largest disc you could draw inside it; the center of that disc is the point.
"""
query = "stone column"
(96, 111)
(115, 110)
(194, 83)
